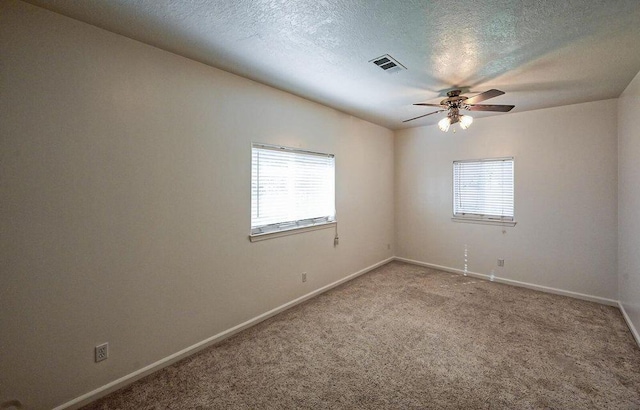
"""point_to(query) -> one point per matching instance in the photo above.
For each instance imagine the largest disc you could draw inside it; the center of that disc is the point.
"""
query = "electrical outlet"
(500, 262)
(388, 246)
(336, 241)
(102, 352)
(304, 276)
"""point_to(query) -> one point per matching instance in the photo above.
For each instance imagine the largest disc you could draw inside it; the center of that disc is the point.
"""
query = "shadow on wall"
(11, 405)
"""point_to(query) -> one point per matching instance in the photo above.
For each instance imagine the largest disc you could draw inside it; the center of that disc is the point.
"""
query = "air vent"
(388, 64)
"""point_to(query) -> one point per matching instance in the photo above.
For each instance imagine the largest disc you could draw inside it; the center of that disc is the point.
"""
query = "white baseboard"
(597, 299)
(169, 360)
(627, 319)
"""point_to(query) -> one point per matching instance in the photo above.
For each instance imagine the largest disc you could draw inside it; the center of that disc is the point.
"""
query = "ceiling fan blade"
(500, 108)
(415, 118)
(483, 96)
(429, 105)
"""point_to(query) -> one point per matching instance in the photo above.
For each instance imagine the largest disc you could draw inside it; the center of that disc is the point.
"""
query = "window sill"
(483, 221)
(292, 231)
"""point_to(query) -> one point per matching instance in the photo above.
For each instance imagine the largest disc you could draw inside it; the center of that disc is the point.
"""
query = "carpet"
(409, 337)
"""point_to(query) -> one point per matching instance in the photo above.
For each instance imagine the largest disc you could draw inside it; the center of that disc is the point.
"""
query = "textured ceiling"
(541, 53)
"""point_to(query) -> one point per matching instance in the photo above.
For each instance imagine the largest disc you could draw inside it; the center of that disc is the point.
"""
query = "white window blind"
(483, 189)
(290, 188)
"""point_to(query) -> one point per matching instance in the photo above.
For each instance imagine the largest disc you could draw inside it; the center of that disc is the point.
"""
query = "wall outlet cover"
(102, 352)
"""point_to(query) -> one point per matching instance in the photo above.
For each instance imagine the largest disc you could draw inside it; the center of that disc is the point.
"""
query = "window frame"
(283, 228)
(481, 218)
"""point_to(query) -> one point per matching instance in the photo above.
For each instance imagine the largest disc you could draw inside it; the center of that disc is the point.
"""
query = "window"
(290, 189)
(483, 190)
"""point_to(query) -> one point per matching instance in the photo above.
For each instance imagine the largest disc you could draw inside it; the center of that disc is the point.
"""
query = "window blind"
(290, 188)
(484, 189)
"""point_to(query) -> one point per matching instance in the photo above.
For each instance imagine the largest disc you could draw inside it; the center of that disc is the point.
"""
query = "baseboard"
(169, 360)
(627, 319)
(576, 295)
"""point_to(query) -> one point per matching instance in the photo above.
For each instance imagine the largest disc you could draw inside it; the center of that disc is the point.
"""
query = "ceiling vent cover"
(388, 64)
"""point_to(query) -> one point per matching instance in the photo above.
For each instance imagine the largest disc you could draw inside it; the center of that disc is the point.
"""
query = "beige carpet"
(407, 337)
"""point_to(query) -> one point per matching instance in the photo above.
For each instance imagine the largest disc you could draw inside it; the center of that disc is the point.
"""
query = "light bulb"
(444, 124)
(465, 121)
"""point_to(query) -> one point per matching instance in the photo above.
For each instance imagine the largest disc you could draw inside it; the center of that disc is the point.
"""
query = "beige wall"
(565, 197)
(629, 200)
(125, 212)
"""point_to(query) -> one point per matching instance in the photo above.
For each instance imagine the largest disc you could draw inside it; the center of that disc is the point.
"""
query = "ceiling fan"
(456, 102)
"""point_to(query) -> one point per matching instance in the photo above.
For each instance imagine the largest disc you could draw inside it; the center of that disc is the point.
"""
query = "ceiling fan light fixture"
(444, 124)
(465, 121)
(456, 103)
